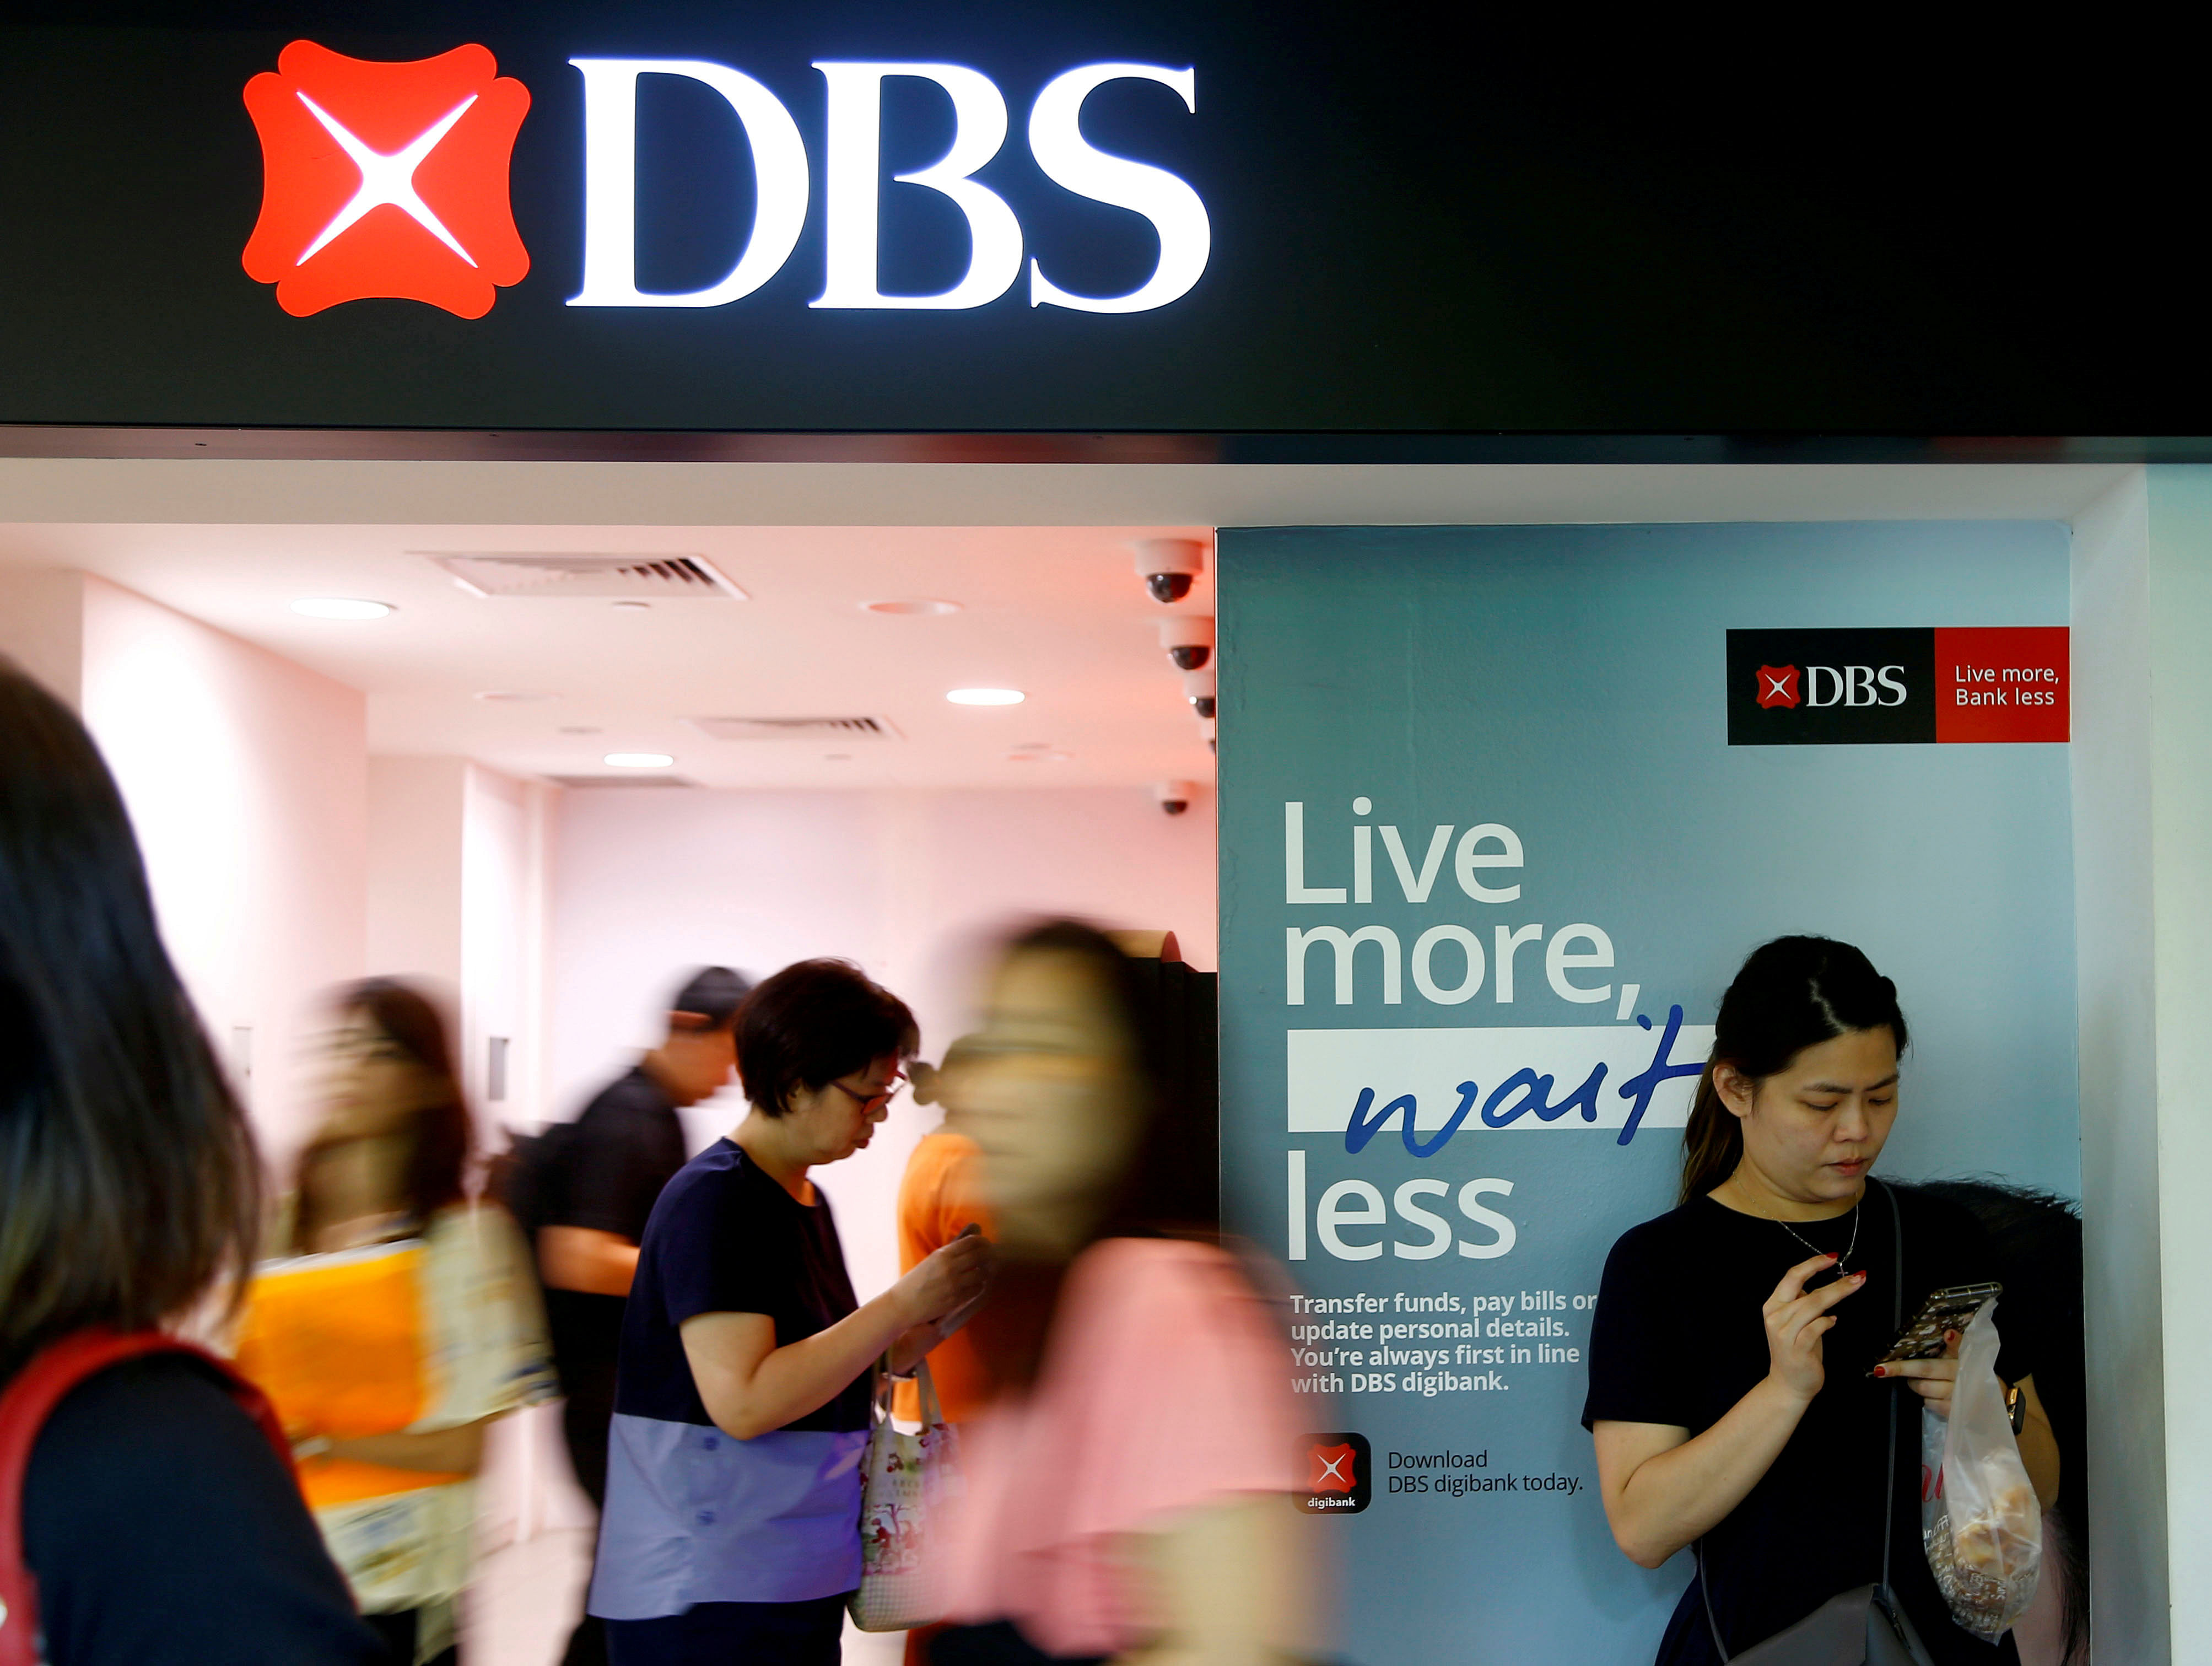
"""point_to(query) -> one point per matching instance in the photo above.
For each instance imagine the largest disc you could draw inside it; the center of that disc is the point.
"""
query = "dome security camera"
(1173, 797)
(1168, 565)
(1188, 639)
(1198, 688)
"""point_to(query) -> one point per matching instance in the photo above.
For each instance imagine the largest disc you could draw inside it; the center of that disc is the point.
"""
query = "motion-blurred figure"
(732, 1524)
(1123, 1491)
(158, 1522)
(940, 1197)
(404, 1321)
(598, 1177)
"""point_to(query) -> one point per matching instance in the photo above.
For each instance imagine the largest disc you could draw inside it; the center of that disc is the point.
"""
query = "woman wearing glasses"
(732, 1527)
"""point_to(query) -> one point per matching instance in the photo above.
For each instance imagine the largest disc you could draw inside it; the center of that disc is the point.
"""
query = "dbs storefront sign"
(384, 179)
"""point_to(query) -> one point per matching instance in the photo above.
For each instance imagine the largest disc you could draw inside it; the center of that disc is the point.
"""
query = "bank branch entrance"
(1595, 594)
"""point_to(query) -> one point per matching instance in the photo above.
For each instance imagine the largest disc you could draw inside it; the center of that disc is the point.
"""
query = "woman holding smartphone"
(1731, 1396)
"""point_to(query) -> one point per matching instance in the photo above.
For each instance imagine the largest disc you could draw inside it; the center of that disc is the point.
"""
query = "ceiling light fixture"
(340, 607)
(639, 760)
(913, 607)
(514, 696)
(986, 697)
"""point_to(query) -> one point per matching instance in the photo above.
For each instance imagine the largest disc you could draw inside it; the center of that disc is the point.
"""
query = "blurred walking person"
(1124, 1489)
(404, 1322)
(600, 1176)
(732, 1528)
(157, 1521)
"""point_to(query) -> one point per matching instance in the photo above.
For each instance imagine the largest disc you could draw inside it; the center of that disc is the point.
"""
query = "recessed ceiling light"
(340, 607)
(986, 697)
(914, 607)
(514, 696)
(639, 760)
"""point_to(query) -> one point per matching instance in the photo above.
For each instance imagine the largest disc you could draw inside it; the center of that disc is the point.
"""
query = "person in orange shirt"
(939, 1198)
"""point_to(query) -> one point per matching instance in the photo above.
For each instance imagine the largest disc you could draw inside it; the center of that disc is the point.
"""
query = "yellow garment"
(337, 1343)
(434, 1333)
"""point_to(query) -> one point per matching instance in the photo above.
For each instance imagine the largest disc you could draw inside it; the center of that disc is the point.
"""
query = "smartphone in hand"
(1945, 1310)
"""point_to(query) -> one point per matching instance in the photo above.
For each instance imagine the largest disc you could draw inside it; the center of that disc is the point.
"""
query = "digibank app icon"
(385, 179)
(1339, 1475)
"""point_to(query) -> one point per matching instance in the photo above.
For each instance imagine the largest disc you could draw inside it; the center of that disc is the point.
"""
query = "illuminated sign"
(385, 179)
(391, 179)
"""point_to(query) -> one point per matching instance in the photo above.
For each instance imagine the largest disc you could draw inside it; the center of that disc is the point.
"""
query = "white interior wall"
(652, 883)
(42, 627)
(246, 779)
(2179, 611)
(2123, 1223)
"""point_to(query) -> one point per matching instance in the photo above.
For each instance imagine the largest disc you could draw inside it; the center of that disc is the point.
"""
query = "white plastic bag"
(908, 1482)
(1978, 1514)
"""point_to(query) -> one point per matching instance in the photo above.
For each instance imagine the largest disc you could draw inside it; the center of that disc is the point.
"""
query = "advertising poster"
(1503, 810)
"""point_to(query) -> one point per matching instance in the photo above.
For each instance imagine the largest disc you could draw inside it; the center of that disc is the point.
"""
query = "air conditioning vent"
(631, 781)
(796, 728)
(531, 573)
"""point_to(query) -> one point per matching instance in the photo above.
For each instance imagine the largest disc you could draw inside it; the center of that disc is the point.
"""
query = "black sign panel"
(1831, 688)
(1418, 222)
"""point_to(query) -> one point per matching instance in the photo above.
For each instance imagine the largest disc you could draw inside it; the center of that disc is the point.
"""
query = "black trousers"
(585, 1419)
(733, 1634)
(397, 1631)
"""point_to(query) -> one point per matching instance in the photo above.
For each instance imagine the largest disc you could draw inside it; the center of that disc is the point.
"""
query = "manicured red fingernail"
(1832, 1256)
(1882, 1371)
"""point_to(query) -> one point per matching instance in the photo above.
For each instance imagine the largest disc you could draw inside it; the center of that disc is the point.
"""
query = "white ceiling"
(1058, 612)
(1037, 554)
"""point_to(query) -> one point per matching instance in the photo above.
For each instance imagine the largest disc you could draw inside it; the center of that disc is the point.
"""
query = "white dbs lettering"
(780, 181)
(1070, 160)
(853, 182)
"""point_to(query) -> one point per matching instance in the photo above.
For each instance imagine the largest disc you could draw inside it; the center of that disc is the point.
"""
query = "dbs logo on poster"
(1778, 686)
(385, 179)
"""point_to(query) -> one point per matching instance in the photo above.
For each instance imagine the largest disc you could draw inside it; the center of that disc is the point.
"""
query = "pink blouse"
(1165, 1387)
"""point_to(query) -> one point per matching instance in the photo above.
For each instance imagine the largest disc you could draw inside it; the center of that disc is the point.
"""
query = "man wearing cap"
(608, 1169)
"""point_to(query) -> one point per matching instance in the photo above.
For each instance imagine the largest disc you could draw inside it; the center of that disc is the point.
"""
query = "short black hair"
(129, 1174)
(813, 1022)
(714, 993)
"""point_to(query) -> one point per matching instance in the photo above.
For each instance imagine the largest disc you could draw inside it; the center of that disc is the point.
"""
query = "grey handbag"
(1862, 1627)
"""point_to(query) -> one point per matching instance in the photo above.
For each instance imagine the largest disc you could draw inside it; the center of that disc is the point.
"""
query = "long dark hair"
(1791, 994)
(1161, 1190)
(129, 1183)
(439, 1141)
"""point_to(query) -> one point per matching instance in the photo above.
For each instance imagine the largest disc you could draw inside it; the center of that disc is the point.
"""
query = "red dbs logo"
(385, 179)
(1777, 685)
(1332, 1469)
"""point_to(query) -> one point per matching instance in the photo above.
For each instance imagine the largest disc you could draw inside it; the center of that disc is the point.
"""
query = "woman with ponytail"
(1733, 1396)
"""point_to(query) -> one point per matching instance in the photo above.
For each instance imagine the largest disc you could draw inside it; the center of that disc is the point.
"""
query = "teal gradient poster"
(1487, 861)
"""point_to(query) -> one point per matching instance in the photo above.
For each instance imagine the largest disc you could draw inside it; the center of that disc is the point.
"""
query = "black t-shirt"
(616, 1155)
(162, 1526)
(725, 1238)
(1678, 1338)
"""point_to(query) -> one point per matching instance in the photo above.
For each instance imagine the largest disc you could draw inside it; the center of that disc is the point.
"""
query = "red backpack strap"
(25, 1405)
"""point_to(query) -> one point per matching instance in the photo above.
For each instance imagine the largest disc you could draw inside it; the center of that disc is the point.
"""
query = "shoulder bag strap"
(29, 1401)
(1896, 1328)
(1889, 1491)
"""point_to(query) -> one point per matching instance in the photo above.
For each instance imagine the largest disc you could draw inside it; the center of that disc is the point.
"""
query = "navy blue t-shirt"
(725, 1238)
